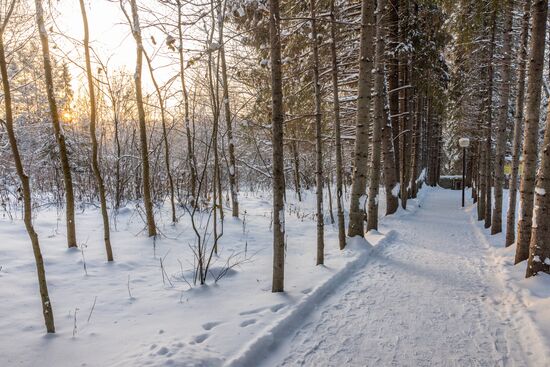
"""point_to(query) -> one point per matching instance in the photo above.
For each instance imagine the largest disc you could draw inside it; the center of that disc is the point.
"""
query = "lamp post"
(464, 143)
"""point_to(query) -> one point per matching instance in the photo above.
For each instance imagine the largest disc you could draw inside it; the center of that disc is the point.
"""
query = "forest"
(274, 183)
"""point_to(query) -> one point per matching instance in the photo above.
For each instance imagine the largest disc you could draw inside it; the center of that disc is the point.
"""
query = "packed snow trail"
(426, 298)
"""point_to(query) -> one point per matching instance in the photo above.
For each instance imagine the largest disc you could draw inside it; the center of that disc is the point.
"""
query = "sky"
(110, 37)
(109, 34)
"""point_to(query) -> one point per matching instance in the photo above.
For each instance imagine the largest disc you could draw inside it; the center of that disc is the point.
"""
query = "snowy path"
(426, 298)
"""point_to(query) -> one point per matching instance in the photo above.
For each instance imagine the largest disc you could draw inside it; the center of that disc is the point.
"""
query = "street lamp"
(464, 143)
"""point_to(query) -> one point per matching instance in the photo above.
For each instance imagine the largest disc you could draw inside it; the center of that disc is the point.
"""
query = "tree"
(147, 201)
(392, 66)
(318, 138)
(337, 130)
(502, 117)
(25, 182)
(164, 136)
(539, 12)
(539, 246)
(488, 120)
(277, 118)
(228, 117)
(361, 151)
(378, 120)
(518, 123)
(405, 112)
(191, 164)
(93, 137)
(58, 131)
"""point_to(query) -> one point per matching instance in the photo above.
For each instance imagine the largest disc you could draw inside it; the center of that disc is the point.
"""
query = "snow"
(430, 287)
(540, 191)
(429, 295)
(395, 190)
(143, 316)
(523, 301)
(363, 201)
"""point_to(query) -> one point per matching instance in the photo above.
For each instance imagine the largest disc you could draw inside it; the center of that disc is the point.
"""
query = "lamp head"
(464, 142)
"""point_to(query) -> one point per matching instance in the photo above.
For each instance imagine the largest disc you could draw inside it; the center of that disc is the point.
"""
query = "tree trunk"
(415, 145)
(539, 249)
(500, 150)
(481, 196)
(404, 111)
(361, 153)
(147, 201)
(95, 155)
(318, 138)
(378, 121)
(58, 131)
(227, 114)
(164, 138)
(25, 184)
(190, 151)
(277, 143)
(296, 160)
(388, 157)
(337, 132)
(119, 187)
(518, 125)
(530, 138)
(392, 66)
(489, 125)
(213, 79)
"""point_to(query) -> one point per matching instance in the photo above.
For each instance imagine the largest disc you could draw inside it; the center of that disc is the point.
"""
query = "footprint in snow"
(245, 323)
(199, 338)
(251, 312)
(162, 351)
(276, 308)
(210, 325)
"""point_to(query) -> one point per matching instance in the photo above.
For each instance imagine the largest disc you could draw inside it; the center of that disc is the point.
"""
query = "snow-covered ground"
(430, 289)
(142, 316)
(432, 295)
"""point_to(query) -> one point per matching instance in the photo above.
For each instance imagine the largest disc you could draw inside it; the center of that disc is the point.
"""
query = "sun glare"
(67, 116)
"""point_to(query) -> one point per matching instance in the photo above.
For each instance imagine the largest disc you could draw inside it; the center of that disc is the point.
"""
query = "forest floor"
(432, 288)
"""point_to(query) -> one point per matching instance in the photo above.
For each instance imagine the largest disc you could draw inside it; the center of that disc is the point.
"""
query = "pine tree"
(361, 152)
(539, 11)
(518, 123)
